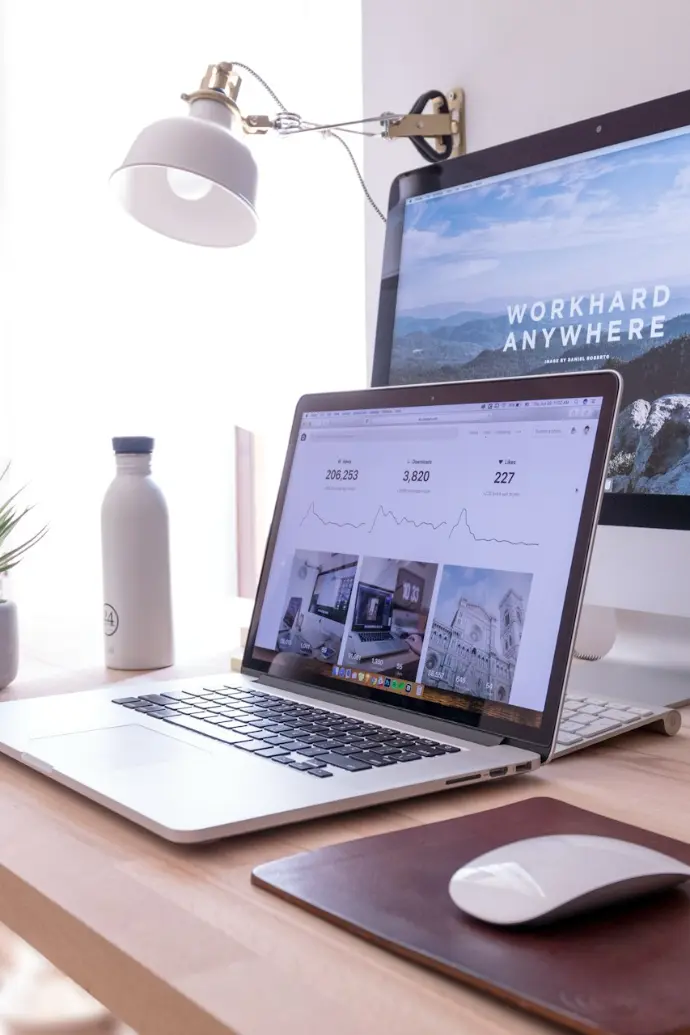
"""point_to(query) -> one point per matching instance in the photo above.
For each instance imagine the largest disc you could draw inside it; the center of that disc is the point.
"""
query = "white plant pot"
(9, 643)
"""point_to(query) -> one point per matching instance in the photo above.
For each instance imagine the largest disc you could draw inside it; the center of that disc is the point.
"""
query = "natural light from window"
(109, 329)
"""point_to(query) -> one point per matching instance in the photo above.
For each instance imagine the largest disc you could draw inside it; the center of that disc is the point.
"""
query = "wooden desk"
(176, 941)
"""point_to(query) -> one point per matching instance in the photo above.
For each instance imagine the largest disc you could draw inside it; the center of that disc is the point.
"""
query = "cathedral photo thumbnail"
(476, 631)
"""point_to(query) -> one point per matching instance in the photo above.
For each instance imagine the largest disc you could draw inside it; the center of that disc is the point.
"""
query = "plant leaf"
(11, 557)
(10, 520)
(10, 517)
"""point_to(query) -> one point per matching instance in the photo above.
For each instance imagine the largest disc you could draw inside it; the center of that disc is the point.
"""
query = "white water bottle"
(137, 607)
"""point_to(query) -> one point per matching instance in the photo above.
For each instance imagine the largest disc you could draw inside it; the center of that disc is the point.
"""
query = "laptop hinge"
(524, 745)
(424, 723)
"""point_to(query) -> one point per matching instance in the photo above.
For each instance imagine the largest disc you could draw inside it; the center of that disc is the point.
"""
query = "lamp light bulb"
(188, 185)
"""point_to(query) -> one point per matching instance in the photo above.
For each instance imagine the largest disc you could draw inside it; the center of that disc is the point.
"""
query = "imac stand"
(634, 655)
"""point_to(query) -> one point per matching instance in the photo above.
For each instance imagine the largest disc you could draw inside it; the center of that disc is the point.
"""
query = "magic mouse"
(543, 879)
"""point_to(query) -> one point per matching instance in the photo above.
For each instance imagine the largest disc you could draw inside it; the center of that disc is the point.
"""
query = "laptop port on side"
(462, 779)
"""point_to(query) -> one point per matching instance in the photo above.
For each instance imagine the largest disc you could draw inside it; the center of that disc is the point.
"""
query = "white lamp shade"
(190, 178)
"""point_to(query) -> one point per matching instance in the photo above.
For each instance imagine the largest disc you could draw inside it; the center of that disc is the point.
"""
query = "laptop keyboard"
(311, 740)
(374, 637)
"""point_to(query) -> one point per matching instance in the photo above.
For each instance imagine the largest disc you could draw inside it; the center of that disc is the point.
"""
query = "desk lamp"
(192, 178)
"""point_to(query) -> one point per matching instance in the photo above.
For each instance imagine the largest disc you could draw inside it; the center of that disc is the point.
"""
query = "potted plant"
(11, 514)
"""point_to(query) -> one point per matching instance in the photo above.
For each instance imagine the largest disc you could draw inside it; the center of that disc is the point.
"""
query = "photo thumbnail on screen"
(390, 616)
(316, 605)
(474, 641)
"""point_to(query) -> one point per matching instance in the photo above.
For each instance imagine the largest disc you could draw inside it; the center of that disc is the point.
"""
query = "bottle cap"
(133, 444)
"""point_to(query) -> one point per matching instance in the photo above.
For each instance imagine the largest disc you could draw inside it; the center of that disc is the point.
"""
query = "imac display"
(574, 264)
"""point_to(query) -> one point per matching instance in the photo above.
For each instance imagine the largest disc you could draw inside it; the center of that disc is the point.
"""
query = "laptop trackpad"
(113, 747)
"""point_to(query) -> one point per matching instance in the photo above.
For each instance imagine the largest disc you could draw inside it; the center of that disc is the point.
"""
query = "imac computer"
(570, 250)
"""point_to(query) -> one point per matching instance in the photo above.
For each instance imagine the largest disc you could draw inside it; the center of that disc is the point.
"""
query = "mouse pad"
(623, 970)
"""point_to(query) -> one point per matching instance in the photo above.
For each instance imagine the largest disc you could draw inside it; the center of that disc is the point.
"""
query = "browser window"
(425, 551)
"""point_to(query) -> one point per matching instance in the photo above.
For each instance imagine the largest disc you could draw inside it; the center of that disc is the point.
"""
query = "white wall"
(111, 329)
(526, 66)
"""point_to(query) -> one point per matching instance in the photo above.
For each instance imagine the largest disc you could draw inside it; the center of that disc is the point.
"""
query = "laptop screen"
(425, 551)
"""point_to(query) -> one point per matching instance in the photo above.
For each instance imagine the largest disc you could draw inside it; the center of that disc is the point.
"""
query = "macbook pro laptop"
(455, 522)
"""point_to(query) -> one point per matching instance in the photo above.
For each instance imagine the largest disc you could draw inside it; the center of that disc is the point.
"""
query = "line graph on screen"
(462, 521)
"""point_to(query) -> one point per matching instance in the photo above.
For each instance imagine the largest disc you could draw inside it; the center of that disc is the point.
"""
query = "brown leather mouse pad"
(624, 970)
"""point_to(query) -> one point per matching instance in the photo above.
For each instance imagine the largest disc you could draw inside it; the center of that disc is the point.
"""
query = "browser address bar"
(387, 433)
(475, 417)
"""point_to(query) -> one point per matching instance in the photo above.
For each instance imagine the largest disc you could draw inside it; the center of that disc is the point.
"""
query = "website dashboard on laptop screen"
(425, 551)
(576, 264)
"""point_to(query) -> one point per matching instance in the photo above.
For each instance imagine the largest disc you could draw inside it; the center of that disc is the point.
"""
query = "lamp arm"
(294, 123)
(288, 122)
(445, 126)
(392, 126)
(346, 127)
(446, 121)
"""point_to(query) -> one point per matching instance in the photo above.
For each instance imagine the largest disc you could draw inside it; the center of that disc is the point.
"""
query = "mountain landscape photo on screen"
(578, 265)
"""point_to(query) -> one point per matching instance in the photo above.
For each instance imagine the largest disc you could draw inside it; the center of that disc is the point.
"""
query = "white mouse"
(543, 879)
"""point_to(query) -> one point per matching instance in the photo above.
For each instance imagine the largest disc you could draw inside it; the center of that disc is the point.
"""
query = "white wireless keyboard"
(588, 720)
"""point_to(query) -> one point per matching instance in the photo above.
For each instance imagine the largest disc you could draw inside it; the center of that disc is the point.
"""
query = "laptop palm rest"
(114, 747)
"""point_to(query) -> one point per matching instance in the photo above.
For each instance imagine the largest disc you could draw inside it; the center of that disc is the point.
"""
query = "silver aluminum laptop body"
(481, 574)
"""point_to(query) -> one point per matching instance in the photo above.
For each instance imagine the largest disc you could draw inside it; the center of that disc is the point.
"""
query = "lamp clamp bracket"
(434, 125)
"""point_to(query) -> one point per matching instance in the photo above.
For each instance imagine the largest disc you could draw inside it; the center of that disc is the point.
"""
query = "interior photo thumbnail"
(476, 632)
(390, 616)
(316, 604)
